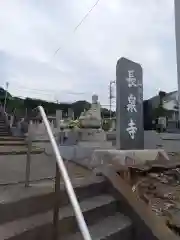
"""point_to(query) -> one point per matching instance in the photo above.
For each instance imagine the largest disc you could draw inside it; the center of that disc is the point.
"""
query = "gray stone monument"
(70, 114)
(58, 118)
(129, 105)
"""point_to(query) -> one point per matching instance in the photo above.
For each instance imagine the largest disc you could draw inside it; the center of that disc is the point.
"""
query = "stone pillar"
(58, 118)
(70, 114)
(129, 105)
(113, 124)
(177, 31)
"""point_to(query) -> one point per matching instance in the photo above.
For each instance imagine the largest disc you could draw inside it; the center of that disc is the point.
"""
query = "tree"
(148, 114)
(79, 106)
(160, 111)
(162, 94)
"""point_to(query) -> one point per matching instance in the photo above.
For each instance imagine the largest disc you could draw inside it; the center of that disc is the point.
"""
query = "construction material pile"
(158, 184)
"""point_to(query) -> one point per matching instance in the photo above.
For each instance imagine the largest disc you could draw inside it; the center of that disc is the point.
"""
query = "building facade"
(169, 103)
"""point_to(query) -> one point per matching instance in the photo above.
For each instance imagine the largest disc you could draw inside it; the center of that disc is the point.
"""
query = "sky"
(31, 31)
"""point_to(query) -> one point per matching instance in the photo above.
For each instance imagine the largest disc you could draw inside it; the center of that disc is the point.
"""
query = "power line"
(49, 92)
(85, 16)
(44, 91)
(81, 22)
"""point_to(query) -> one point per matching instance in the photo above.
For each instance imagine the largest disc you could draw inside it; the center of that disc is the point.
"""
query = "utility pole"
(111, 96)
(177, 35)
(5, 100)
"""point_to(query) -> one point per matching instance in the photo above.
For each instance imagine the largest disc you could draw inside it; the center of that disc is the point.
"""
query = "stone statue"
(86, 132)
(92, 117)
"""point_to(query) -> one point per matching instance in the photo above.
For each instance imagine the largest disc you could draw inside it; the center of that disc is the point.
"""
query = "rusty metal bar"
(56, 204)
(28, 162)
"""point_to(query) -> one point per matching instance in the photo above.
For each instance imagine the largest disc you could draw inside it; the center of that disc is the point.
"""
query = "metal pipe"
(79, 216)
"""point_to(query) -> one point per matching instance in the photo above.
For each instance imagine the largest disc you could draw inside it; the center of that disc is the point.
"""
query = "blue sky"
(31, 31)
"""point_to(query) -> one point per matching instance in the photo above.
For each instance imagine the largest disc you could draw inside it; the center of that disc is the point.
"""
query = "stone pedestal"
(87, 141)
(93, 138)
(122, 158)
(91, 135)
(95, 144)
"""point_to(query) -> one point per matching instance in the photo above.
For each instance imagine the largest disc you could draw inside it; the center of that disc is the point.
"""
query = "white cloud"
(31, 31)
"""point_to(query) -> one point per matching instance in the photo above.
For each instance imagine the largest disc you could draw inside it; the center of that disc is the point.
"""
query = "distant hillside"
(22, 106)
(3, 93)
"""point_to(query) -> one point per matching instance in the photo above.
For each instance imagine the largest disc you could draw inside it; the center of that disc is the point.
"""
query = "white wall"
(170, 105)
